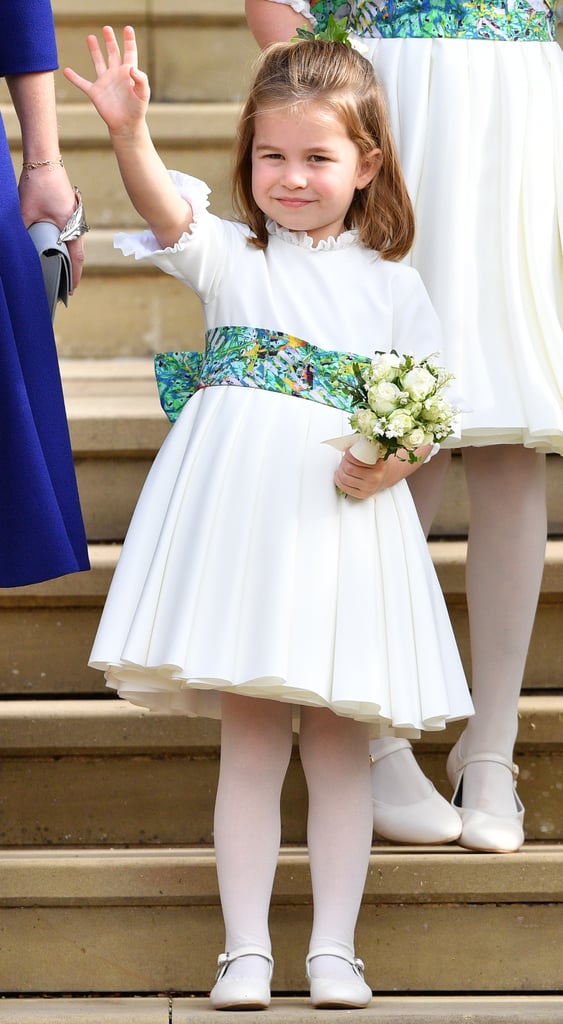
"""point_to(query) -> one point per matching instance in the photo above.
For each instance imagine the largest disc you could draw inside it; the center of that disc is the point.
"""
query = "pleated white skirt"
(478, 124)
(244, 570)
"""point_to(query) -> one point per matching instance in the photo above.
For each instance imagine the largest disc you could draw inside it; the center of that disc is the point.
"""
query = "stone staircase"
(107, 879)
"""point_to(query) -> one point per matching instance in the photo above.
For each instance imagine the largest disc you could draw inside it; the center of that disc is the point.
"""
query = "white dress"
(243, 569)
(477, 121)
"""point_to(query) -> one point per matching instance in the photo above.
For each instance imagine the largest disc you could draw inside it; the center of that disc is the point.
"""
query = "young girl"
(475, 94)
(249, 588)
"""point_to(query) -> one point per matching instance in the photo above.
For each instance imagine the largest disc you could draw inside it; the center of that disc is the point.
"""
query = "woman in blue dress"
(41, 528)
(475, 92)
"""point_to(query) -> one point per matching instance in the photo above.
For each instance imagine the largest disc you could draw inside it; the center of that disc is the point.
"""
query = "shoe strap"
(491, 758)
(400, 744)
(224, 959)
(354, 961)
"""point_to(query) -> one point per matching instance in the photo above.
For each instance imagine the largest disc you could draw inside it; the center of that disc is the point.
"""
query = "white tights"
(256, 744)
(505, 557)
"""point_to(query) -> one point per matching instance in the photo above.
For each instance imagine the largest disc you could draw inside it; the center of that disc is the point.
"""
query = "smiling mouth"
(293, 202)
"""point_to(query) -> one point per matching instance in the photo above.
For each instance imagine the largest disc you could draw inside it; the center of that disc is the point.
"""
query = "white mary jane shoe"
(429, 821)
(333, 993)
(489, 833)
(235, 994)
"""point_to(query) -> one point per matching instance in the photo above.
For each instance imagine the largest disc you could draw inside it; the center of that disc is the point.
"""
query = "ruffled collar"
(304, 241)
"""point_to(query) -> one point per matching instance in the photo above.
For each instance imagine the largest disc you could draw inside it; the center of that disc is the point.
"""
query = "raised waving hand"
(120, 92)
(121, 95)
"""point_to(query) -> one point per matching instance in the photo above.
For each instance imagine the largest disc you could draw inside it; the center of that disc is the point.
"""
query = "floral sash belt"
(251, 357)
(508, 20)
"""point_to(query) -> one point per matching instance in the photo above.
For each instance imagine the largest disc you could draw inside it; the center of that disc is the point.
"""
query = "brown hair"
(340, 79)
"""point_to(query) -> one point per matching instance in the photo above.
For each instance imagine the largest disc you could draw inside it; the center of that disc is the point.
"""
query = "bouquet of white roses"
(399, 406)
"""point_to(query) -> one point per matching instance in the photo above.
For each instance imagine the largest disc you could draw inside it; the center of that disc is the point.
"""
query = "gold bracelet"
(32, 165)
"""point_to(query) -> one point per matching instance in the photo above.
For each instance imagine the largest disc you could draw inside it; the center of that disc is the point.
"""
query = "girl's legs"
(334, 755)
(505, 558)
(256, 743)
(426, 487)
(397, 780)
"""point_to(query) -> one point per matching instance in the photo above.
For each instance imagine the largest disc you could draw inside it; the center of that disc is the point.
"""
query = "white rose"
(365, 421)
(399, 424)
(385, 366)
(416, 438)
(384, 397)
(412, 409)
(419, 383)
(436, 410)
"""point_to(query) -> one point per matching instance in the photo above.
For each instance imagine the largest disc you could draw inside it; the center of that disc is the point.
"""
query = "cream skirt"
(244, 570)
(478, 125)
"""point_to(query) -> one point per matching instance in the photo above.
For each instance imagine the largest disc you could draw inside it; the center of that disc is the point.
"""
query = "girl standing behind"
(475, 94)
(249, 588)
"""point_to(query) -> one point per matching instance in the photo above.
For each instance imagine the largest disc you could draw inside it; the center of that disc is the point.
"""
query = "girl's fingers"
(98, 59)
(112, 47)
(130, 55)
(113, 62)
(77, 80)
(141, 83)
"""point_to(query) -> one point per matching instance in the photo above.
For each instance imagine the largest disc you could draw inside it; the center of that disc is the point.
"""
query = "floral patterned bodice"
(523, 20)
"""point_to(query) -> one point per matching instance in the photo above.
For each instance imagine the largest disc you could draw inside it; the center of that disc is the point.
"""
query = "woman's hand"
(46, 194)
(360, 480)
(120, 92)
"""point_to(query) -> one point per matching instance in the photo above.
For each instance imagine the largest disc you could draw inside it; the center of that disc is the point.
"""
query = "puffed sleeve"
(201, 255)
(300, 7)
(27, 37)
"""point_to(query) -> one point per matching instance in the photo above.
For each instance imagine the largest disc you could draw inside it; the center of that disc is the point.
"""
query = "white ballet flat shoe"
(489, 833)
(429, 821)
(333, 993)
(235, 994)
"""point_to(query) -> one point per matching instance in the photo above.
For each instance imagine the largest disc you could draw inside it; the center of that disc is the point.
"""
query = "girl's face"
(305, 169)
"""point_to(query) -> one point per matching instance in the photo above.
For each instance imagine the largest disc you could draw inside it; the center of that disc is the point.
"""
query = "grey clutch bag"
(55, 263)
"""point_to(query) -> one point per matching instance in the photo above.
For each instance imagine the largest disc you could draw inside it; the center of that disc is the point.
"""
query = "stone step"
(190, 50)
(39, 622)
(155, 313)
(117, 427)
(102, 772)
(133, 921)
(178, 1010)
(192, 137)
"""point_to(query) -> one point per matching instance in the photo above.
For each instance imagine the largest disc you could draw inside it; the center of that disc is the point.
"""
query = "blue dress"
(41, 529)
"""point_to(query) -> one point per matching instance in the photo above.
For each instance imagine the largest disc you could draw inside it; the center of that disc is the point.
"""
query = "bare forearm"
(149, 187)
(45, 190)
(120, 94)
(33, 96)
(271, 22)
